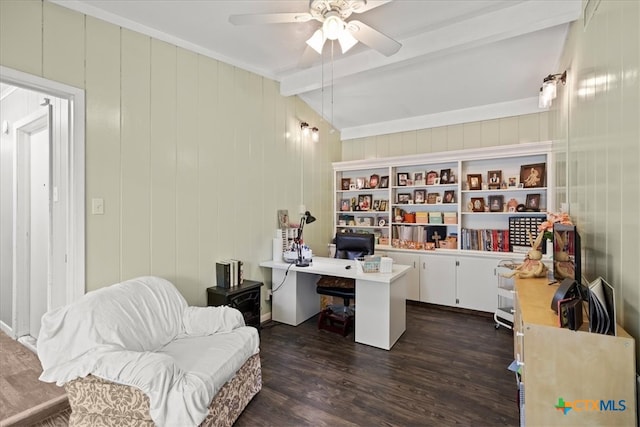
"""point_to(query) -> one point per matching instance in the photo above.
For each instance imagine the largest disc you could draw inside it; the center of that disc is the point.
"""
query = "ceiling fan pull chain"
(332, 43)
(322, 85)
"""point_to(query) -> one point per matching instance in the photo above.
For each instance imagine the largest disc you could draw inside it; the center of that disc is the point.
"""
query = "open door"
(33, 219)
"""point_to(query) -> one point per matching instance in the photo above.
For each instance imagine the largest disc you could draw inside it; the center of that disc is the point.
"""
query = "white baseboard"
(9, 331)
(29, 342)
(265, 317)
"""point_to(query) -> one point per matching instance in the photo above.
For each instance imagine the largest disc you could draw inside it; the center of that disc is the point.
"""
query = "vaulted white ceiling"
(460, 61)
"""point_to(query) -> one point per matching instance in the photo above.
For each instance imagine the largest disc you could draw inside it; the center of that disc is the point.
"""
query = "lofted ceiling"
(460, 61)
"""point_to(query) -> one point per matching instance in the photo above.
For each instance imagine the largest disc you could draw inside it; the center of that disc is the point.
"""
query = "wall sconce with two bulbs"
(548, 91)
(306, 130)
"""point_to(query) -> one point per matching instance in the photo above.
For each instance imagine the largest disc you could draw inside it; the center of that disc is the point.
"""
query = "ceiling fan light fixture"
(333, 25)
(347, 41)
(316, 41)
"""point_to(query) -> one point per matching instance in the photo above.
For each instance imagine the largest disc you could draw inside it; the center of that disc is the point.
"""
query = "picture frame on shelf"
(496, 203)
(449, 196)
(384, 181)
(365, 201)
(532, 202)
(418, 176)
(345, 205)
(365, 221)
(402, 179)
(419, 196)
(376, 205)
(432, 198)
(374, 180)
(436, 181)
(439, 200)
(494, 178)
(404, 198)
(474, 181)
(383, 205)
(533, 176)
(445, 175)
(431, 177)
(346, 183)
(477, 204)
(360, 182)
(512, 182)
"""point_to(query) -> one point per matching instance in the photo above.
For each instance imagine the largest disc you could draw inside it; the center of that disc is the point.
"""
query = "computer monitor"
(354, 245)
(566, 253)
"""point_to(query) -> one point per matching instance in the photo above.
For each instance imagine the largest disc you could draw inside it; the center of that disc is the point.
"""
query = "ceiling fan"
(332, 14)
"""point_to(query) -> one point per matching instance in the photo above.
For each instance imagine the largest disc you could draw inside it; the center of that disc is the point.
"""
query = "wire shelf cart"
(504, 313)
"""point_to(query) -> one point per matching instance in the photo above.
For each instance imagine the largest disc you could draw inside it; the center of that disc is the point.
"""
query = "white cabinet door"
(413, 275)
(477, 285)
(438, 279)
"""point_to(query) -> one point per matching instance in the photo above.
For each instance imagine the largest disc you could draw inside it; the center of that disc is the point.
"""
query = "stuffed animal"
(563, 267)
(532, 265)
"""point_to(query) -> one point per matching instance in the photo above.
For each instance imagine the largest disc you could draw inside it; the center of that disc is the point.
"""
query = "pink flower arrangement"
(547, 226)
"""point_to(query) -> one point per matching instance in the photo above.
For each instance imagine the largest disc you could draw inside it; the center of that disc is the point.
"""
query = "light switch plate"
(97, 206)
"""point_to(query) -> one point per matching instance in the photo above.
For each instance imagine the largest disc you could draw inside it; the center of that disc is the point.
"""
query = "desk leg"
(381, 315)
(296, 300)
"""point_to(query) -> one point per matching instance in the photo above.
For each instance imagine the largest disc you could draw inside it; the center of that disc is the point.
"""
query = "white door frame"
(24, 128)
(74, 232)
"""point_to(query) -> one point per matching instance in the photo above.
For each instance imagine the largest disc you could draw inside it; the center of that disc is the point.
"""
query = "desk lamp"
(307, 218)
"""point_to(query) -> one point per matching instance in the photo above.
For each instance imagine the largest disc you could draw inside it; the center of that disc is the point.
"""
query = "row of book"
(412, 233)
(229, 273)
(484, 240)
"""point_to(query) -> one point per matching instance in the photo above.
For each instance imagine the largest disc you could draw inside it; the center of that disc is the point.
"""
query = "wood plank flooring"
(449, 368)
(20, 388)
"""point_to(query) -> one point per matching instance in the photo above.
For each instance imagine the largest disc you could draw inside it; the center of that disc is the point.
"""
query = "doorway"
(32, 218)
(42, 193)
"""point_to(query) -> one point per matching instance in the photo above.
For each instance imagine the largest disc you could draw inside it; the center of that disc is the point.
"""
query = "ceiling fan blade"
(270, 18)
(373, 38)
(370, 4)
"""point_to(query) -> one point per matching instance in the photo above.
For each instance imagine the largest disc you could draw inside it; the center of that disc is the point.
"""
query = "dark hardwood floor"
(449, 368)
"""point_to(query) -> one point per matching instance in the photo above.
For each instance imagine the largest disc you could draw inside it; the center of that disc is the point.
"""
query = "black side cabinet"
(245, 297)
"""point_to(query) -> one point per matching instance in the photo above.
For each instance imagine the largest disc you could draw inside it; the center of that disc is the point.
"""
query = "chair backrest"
(354, 245)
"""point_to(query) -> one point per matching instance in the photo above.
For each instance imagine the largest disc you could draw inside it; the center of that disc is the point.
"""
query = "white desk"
(381, 297)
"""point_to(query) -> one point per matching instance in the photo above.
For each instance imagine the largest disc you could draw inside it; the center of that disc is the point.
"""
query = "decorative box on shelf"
(450, 217)
(422, 218)
(450, 242)
(435, 217)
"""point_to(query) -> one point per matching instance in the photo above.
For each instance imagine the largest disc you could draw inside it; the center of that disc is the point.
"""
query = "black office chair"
(348, 246)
